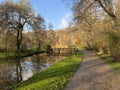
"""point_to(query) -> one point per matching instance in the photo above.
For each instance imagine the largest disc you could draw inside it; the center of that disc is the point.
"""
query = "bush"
(114, 44)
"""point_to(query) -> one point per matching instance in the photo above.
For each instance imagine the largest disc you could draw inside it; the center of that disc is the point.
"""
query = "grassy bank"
(108, 58)
(12, 55)
(54, 78)
(115, 65)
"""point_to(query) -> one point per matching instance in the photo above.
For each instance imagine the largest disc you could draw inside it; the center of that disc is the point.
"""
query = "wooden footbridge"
(64, 51)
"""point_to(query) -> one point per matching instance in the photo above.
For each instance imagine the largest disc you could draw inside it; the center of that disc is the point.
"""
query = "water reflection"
(14, 71)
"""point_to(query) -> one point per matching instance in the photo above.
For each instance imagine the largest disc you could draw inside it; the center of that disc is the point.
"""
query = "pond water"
(15, 71)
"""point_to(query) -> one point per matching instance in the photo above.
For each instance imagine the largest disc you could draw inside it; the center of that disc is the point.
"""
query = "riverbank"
(109, 60)
(54, 78)
(12, 55)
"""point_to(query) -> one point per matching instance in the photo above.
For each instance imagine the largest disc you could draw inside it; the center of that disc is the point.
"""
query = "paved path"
(94, 74)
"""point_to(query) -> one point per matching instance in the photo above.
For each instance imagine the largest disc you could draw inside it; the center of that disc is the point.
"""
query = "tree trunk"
(19, 39)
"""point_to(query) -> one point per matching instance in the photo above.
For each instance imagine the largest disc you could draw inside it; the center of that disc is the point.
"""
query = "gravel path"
(94, 74)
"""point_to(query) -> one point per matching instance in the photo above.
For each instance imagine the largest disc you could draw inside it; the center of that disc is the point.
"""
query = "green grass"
(54, 78)
(115, 65)
(4, 55)
(108, 58)
(13, 55)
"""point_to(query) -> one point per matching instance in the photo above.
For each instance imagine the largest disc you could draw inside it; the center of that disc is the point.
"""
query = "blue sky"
(53, 11)
(56, 12)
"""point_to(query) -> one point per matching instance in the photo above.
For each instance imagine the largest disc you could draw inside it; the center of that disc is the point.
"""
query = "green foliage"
(114, 38)
(54, 78)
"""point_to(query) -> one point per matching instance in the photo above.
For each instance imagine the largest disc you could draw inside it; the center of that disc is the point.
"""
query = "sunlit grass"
(54, 78)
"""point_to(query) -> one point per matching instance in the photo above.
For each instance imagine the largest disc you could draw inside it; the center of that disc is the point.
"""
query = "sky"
(53, 11)
(56, 12)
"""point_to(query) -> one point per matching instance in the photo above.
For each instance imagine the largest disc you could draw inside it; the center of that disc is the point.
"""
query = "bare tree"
(83, 5)
(18, 16)
(50, 26)
(110, 8)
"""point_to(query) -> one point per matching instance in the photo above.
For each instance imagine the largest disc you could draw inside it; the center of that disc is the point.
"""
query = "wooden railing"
(64, 51)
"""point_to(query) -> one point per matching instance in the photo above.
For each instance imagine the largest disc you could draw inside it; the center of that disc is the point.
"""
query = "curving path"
(94, 74)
